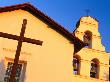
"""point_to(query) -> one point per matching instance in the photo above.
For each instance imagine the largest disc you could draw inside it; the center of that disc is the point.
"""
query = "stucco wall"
(97, 51)
(87, 55)
(90, 24)
(51, 62)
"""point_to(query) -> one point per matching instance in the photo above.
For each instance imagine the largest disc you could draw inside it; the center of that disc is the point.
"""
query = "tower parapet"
(87, 31)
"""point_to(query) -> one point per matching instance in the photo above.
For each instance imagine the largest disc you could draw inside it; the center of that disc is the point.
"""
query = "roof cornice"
(78, 44)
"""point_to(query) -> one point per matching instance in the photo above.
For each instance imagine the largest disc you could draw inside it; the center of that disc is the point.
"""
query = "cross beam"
(15, 37)
(20, 39)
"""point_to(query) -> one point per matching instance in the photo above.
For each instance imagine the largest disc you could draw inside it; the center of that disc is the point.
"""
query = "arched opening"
(94, 68)
(87, 38)
(76, 64)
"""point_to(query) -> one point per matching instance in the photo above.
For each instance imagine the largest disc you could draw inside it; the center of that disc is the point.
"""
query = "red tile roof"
(78, 44)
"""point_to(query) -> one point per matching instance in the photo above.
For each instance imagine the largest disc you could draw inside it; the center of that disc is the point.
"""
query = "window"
(9, 69)
(87, 38)
(76, 64)
(94, 68)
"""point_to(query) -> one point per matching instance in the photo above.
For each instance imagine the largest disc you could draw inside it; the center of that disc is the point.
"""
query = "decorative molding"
(94, 50)
(101, 64)
(105, 65)
(88, 61)
(82, 33)
(11, 59)
(82, 60)
(87, 77)
(88, 23)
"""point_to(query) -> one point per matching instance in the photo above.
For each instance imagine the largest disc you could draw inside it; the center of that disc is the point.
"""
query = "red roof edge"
(78, 44)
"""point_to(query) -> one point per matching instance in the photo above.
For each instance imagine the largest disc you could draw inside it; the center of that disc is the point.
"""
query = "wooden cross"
(20, 39)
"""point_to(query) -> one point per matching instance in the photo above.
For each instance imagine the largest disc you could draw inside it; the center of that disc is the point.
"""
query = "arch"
(76, 64)
(94, 68)
(87, 38)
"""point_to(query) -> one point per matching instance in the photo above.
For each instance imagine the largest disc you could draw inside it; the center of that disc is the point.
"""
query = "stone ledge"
(86, 77)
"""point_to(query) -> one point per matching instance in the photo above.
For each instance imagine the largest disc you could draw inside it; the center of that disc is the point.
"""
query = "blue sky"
(68, 12)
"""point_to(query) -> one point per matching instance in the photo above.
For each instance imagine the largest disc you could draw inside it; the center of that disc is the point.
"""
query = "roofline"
(30, 8)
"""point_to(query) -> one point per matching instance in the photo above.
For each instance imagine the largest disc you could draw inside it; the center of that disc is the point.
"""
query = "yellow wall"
(87, 54)
(51, 62)
(90, 24)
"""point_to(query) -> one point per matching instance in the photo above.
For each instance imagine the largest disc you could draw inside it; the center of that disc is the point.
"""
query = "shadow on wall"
(2, 70)
(24, 73)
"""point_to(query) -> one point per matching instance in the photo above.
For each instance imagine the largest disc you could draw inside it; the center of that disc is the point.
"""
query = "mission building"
(63, 56)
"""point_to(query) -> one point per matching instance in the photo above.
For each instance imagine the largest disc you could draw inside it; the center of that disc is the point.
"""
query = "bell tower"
(90, 64)
(87, 31)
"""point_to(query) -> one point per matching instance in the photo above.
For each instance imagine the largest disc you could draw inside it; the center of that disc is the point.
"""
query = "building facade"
(50, 62)
(61, 57)
(91, 64)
